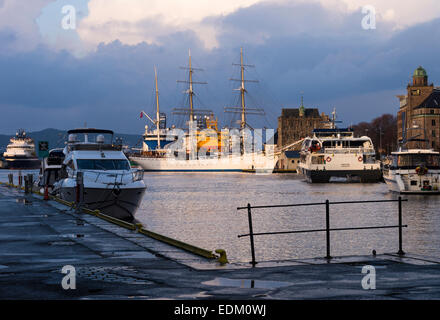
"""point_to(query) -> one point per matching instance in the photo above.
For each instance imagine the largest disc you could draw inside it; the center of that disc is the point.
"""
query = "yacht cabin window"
(102, 164)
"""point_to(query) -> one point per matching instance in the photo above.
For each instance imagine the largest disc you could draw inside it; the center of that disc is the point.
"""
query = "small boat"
(20, 153)
(50, 169)
(109, 183)
(414, 171)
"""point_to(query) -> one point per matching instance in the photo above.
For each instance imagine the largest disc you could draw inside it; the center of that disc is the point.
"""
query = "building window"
(433, 122)
(433, 133)
(433, 144)
(432, 111)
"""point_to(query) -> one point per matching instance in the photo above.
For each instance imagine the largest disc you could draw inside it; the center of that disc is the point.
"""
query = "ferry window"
(102, 164)
(318, 160)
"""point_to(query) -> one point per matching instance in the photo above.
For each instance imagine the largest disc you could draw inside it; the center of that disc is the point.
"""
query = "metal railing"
(327, 229)
(132, 175)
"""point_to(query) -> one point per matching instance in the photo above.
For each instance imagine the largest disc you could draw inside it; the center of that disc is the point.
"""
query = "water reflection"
(200, 208)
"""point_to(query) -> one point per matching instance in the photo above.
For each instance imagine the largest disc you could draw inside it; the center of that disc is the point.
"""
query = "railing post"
(327, 227)
(251, 235)
(400, 252)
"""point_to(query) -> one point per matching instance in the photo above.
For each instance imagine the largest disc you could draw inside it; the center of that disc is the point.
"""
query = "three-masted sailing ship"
(202, 146)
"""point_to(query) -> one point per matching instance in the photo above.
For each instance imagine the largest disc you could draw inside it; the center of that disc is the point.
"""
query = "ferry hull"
(323, 176)
(121, 204)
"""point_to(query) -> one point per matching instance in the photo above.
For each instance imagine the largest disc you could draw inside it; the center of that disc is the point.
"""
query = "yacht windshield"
(102, 164)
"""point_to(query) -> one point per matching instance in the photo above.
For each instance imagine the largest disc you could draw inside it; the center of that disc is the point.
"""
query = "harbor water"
(201, 209)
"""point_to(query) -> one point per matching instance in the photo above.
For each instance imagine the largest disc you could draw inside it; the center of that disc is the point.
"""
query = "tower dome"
(420, 72)
(420, 77)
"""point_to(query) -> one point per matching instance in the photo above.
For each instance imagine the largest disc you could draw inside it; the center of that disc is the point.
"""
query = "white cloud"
(19, 17)
(109, 20)
(134, 21)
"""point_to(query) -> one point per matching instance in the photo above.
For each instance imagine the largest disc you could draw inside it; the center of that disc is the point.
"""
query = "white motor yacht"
(109, 183)
(413, 171)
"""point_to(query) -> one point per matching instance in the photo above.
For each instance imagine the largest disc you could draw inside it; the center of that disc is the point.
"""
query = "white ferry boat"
(20, 153)
(415, 171)
(110, 184)
(336, 152)
(217, 148)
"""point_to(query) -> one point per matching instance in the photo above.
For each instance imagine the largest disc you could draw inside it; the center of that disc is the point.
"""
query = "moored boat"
(336, 152)
(109, 183)
(20, 153)
(413, 171)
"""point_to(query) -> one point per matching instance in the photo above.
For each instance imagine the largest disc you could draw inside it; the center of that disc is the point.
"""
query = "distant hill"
(56, 138)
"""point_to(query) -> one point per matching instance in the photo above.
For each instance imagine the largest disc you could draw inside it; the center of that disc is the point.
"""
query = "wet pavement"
(39, 238)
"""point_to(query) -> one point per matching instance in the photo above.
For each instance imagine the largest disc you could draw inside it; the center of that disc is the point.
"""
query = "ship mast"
(243, 110)
(157, 109)
(190, 89)
(242, 92)
(191, 111)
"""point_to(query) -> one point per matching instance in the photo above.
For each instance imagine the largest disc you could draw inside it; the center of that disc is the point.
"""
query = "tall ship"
(20, 153)
(336, 152)
(413, 170)
(202, 146)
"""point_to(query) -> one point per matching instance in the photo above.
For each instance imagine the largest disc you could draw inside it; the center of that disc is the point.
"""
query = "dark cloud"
(302, 47)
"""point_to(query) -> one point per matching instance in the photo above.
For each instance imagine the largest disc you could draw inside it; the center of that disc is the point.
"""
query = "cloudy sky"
(102, 72)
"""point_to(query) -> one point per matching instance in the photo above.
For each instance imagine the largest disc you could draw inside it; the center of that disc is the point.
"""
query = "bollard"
(26, 184)
(30, 182)
(223, 258)
(10, 179)
(79, 190)
(20, 179)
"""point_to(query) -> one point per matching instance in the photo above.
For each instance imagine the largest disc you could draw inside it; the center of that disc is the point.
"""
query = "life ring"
(328, 159)
(360, 158)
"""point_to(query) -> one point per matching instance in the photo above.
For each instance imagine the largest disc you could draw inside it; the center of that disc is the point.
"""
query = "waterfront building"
(297, 123)
(419, 111)
(288, 160)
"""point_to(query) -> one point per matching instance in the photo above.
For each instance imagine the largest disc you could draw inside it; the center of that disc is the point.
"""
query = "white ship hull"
(257, 162)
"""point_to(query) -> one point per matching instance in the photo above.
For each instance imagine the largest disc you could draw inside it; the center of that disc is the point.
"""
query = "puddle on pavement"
(62, 243)
(23, 200)
(247, 283)
(198, 295)
(73, 235)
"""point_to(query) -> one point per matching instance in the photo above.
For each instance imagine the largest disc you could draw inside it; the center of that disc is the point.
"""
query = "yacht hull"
(118, 203)
(393, 186)
(21, 163)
